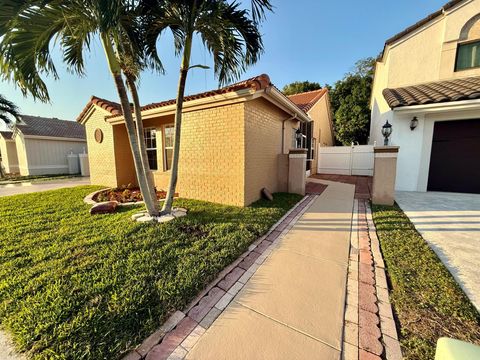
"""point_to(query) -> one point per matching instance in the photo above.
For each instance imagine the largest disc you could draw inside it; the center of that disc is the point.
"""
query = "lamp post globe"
(386, 132)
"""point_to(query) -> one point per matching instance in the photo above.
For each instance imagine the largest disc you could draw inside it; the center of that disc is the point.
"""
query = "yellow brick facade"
(263, 139)
(228, 153)
(101, 156)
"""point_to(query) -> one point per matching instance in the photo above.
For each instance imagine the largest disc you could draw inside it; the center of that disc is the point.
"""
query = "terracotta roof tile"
(7, 135)
(40, 126)
(256, 83)
(115, 109)
(306, 100)
(112, 107)
(434, 92)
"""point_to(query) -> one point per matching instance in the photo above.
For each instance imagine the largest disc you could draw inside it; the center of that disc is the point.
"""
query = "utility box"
(84, 166)
(73, 164)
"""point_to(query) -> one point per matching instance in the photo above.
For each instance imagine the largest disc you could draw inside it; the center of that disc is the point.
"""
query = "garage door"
(455, 159)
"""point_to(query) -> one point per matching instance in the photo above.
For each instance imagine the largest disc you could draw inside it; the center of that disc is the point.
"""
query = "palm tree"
(28, 28)
(226, 30)
(8, 110)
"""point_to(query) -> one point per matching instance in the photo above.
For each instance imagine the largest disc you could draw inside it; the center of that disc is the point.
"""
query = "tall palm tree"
(227, 31)
(8, 110)
(28, 29)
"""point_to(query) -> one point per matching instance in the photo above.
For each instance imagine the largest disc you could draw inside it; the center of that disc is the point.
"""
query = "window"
(151, 145)
(468, 56)
(168, 136)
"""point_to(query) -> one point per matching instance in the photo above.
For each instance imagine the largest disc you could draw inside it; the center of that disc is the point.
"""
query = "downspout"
(283, 131)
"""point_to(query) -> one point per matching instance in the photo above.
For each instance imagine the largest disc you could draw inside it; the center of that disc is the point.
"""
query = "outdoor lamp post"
(298, 137)
(386, 132)
(413, 123)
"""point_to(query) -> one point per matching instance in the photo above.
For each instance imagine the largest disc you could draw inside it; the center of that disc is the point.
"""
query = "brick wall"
(211, 155)
(263, 139)
(101, 156)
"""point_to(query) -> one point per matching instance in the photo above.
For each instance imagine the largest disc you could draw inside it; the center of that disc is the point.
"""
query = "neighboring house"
(427, 85)
(319, 131)
(8, 153)
(234, 142)
(39, 146)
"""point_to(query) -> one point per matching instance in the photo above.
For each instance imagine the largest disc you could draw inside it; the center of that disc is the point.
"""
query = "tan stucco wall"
(263, 139)
(101, 156)
(321, 116)
(428, 54)
(22, 155)
(8, 150)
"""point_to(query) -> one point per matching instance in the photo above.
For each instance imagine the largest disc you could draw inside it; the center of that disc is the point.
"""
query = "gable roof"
(420, 23)
(7, 135)
(434, 92)
(306, 100)
(51, 127)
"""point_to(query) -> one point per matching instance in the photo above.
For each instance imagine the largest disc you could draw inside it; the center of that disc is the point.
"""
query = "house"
(234, 142)
(427, 85)
(8, 153)
(318, 132)
(39, 146)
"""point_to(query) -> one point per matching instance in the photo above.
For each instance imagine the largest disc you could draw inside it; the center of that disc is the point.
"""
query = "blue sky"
(315, 40)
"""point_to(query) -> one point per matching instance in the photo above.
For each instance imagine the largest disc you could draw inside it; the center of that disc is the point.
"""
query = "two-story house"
(427, 85)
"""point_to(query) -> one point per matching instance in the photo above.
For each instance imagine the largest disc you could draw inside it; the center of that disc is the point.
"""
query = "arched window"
(468, 51)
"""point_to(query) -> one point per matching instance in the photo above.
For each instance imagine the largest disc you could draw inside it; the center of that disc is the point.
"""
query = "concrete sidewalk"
(30, 187)
(293, 306)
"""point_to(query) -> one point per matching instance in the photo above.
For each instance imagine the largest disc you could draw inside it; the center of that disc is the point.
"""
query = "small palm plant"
(228, 32)
(28, 29)
(8, 110)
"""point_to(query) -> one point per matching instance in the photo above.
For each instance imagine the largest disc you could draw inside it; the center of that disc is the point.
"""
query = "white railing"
(346, 160)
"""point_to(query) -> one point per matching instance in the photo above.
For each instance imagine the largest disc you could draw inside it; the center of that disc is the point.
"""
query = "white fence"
(346, 160)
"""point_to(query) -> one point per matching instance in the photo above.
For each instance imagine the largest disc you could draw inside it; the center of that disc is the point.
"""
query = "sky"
(315, 40)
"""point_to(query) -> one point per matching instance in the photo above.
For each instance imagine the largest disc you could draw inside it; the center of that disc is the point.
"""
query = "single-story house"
(427, 85)
(318, 132)
(39, 146)
(234, 142)
(8, 153)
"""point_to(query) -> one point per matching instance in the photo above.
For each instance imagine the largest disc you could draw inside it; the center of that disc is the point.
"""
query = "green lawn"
(76, 286)
(426, 299)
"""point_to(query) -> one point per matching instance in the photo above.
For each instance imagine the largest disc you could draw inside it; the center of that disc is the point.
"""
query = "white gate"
(346, 160)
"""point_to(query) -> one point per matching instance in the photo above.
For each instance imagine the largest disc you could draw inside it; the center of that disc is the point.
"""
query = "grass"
(426, 299)
(76, 286)
(14, 179)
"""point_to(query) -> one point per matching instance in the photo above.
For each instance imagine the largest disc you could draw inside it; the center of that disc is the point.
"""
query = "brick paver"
(368, 327)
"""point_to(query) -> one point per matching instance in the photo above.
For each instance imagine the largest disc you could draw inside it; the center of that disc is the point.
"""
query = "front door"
(455, 158)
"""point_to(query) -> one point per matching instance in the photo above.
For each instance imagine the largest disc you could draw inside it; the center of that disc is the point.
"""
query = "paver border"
(370, 332)
(175, 338)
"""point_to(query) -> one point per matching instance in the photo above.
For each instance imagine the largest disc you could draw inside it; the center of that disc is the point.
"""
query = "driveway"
(29, 187)
(450, 223)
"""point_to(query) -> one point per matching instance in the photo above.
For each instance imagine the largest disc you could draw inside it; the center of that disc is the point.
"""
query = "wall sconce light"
(386, 132)
(413, 123)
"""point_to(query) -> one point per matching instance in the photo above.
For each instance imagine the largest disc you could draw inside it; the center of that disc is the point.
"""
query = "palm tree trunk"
(167, 205)
(129, 124)
(140, 139)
